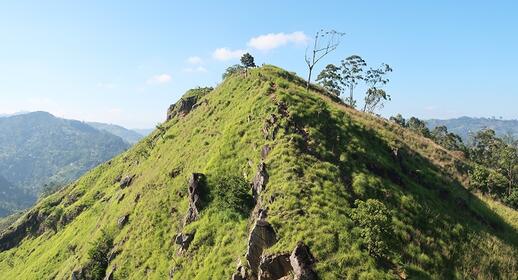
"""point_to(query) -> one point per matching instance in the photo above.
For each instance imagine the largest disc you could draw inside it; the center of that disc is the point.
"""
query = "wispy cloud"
(227, 54)
(199, 69)
(275, 40)
(195, 60)
(159, 79)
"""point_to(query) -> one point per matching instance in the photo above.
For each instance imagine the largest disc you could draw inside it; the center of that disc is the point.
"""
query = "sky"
(125, 62)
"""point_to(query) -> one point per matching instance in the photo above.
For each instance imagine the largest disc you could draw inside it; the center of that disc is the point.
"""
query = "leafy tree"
(233, 70)
(324, 43)
(247, 60)
(448, 140)
(374, 220)
(352, 74)
(418, 126)
(375, 95)
(331, 79)
(399, 120)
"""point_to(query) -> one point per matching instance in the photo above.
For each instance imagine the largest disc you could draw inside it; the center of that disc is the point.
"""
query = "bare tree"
(331, 41)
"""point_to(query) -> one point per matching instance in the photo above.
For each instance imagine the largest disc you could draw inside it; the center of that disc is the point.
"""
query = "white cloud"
(195, 60)
(226, 54)
(274, 40)
(159, 79)
(199, 69)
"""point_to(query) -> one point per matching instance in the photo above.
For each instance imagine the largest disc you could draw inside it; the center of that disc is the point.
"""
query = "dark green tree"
(233, 70)
(352, 74)
(418, 126)
(399, 120)
(331, 79)
(247, 60)
(448, 140)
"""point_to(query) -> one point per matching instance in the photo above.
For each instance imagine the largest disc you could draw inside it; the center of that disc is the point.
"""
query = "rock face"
(182, 107)
(274, 267)
(302, 262)
(126, 182)
(261, 237)
(184, 240)
(260, 181)
(195, 193)
(123, 220)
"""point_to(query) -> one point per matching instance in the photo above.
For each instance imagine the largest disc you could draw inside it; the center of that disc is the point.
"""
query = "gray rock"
(302, 262)
(274, 267)
(260, 181)
(126, 181)
(184, 240)
(182, 107)
(123, 220)
(261, 237)
(195, 193)
(265, 150)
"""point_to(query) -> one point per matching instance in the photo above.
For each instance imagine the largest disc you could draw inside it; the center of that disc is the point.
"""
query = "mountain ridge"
(333, 193)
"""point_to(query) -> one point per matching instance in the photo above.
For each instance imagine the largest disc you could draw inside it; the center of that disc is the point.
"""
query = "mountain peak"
(259, 178)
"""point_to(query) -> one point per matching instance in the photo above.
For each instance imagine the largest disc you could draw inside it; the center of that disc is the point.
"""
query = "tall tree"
(247, 60)
(375, 95)
(331, 79)
(324, 43)
(352, 74)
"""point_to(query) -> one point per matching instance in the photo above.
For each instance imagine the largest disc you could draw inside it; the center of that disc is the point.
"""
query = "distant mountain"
(38, 149)
(464, 126)
(12, 197)
(143, 131)
(130, 136)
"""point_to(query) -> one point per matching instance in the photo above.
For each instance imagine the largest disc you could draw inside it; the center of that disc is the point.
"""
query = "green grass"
(324, 157)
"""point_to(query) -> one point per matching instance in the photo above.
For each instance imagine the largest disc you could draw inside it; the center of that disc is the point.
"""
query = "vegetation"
(371, 199)
(38, 149)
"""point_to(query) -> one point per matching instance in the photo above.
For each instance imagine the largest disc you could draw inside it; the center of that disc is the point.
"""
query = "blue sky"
(125, 62)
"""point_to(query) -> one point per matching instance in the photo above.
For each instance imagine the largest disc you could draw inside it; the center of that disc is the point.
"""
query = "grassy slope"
(347, 156)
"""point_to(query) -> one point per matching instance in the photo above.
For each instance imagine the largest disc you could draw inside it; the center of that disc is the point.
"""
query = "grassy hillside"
(370, 199)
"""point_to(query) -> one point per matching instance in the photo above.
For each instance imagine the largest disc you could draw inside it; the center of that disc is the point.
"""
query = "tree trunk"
(309, 78)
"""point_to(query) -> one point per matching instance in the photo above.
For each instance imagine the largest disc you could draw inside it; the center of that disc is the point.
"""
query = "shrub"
(98, 257)
(231, 193)
(374, 220)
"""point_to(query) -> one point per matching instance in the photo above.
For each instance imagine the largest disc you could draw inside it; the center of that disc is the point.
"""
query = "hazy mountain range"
(465, 126)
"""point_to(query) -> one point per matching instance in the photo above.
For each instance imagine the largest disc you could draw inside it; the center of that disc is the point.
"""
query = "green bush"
(375, 223)
(98, 257)
(231, 193)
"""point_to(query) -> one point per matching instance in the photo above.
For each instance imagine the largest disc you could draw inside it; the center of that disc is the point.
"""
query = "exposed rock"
(175, 172)
(123, 220)
(260, 181)
(120, 197)
(182, 107)
(184, 240)
(78, 274)
(265, 150)
(270, 127)
(195, 192)
(137, 198)
(126, 181)
(302, 262)
(28, 225)
(261, 237)
(109, 275)
(241, 273)
(274, 267)
(72, 214)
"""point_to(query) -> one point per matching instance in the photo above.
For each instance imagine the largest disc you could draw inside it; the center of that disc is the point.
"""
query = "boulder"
(182, 107)
(302, 262)
(126, 181)
(123, 220)
(260, 181)
(274, 267)
(265, 150)
(184, 240)
(262, 236)
(195, 194)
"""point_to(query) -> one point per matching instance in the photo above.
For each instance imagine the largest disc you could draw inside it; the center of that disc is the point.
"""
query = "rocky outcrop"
(302, 262)
(184, 240)
(195, 195)
(126, 181)
(274, 267)
(123, 220)
(182, 107)
(27, 225)
(260, 181)
(262, 236)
